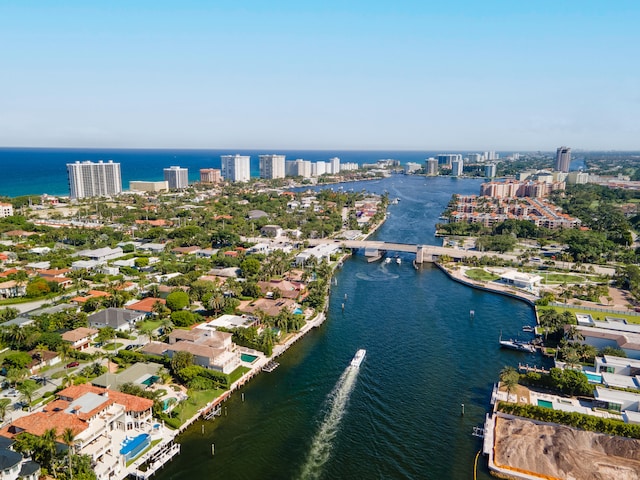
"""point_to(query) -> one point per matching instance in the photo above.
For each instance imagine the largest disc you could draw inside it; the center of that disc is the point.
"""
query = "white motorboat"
(398, 260)
(357, 359)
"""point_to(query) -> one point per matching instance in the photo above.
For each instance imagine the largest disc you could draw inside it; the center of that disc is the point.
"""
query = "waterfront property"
(101, 420)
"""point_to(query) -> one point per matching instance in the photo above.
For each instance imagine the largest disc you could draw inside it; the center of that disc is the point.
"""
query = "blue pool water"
(298, 311)
(593, 377)
(245, 357)
(133, 446)
(151, 380)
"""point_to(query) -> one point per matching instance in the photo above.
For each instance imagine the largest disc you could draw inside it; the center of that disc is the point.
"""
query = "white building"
(456, 168)
(89, 179)
(411, 167)
(6, 210)
(432, 167)
(176, 177)
(335, 165)
(236, 168)
(490, 170)
(475, 157)
(141, 186)
(577, 178)
(272, 166)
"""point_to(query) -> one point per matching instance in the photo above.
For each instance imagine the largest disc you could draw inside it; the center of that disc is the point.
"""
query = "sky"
(406, 75)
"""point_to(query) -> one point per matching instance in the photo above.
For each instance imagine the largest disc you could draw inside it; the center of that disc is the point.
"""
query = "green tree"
(177, 300)
(181, 360)
(250, 267)
(4, 405)
(68, 437)
(509, 377)
(27, 388)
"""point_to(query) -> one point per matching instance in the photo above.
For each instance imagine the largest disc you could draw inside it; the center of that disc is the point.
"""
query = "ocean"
(30, 171)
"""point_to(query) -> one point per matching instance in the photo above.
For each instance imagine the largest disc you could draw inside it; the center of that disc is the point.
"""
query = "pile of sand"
(564, 452)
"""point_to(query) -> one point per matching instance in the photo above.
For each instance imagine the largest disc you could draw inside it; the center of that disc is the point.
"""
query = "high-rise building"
(335, 165)
(563, 159)
(432, 167)
(176, 177)
(490, 170)
(89, 179)
(236, 168)
(475, 157)
(448, 158)
(210, 175)
(456, 167)
(272, 166)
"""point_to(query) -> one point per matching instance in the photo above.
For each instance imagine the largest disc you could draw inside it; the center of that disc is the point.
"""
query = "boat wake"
(384, 276)
(323, 441)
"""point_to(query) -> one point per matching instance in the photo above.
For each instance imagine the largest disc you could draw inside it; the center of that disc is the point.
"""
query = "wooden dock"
(531, 368)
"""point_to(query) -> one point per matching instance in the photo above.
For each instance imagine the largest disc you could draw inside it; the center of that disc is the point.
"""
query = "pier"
(531, 368)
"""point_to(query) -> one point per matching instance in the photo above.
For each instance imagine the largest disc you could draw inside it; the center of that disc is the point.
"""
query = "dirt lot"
(564, 452)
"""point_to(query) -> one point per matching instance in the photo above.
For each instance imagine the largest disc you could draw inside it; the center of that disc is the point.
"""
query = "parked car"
(12, 392)
(72, 364)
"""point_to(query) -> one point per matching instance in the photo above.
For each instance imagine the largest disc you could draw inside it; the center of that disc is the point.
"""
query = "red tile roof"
(145, 305)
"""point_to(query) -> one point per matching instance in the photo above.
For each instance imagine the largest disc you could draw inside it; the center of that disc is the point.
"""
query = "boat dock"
(531, 368)
(270, 366)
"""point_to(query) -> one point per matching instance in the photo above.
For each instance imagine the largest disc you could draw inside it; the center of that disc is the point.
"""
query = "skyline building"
(210, 175)
(90, 179)
(272, 166)
(236, 168)
(335, 166)
(456, 167)
(448, 158)
(490, 170)
(563, 159)
(176, 177)
(432, 167)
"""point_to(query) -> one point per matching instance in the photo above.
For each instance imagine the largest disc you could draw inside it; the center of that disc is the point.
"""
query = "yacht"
(518, 345)
(357, 359)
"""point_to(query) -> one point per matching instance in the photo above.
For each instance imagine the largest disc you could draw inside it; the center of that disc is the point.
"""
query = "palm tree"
(4, 404)
(68, 437)
(509, 377)
(27, 388)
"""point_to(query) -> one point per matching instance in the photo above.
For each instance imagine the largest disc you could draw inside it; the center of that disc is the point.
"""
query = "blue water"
(40, 170)
(593, 377)
(425, 356)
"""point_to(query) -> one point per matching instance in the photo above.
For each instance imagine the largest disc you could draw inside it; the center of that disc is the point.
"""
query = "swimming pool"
(245, 357)
(593, 377)
(132, 447)
(150, 380)
(298, 311)
(545, 404)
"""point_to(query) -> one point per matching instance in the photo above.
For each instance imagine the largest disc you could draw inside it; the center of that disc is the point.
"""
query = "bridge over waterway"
(423, 253)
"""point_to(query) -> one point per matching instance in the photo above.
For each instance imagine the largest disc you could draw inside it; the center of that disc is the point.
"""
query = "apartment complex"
(432, 167)
(210, 175)
(448, 158)
(236, 168)
(272, 166)
(176, 177)
(456, 167)
(142, 186)
(490, 211)
(90, 179)
(517, 189)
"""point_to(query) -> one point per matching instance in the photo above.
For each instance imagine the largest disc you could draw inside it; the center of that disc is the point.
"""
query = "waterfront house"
(101, 420)
(604, 337)
(80, 338)
(285, 288)
(210, 349)
(526, 281)
(271, 231)
(142, 374)
(271, 307)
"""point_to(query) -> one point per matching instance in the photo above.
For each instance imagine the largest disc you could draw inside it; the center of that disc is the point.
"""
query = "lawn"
(151, 324)
(481, 275)
(597, 315)
(237, 373)
(560, 278)
(112, 346)
(188, 408)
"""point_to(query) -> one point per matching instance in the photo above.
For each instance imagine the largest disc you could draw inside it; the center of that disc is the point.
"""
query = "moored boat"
(518, 346)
